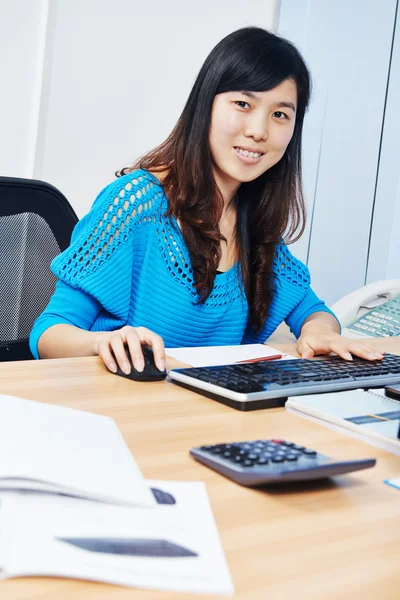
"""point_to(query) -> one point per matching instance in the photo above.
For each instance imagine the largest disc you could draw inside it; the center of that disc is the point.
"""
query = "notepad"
(370, 416)
(57, 449)
(212, 356)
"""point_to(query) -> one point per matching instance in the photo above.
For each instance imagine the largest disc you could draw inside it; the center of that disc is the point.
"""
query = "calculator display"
(383, 321)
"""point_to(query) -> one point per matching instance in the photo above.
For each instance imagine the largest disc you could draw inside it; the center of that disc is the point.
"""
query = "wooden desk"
(321, 541)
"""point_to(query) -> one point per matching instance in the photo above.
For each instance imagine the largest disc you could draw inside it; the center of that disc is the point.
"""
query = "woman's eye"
(242, 104)
(280, 115)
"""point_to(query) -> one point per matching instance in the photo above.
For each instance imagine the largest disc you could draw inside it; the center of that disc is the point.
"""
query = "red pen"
(260, 359)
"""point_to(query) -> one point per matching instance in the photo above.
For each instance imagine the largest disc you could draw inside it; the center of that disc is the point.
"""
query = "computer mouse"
(150, 371)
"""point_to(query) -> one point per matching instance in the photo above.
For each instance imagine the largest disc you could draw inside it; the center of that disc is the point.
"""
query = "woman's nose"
(257, 128)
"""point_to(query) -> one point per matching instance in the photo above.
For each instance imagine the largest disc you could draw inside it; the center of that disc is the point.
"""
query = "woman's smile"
(248, 157)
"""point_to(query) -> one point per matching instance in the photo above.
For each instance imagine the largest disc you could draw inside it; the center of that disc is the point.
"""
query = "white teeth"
(247, 153)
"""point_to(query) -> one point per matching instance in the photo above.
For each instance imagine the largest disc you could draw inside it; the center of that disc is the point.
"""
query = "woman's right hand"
(110, 346)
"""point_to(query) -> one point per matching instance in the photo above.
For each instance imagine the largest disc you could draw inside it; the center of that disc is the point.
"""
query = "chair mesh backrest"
(36, 223)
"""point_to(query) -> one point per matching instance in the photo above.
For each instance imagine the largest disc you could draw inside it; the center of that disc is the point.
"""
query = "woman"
(186, 246)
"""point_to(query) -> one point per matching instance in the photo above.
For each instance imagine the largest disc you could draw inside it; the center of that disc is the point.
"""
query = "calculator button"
(309, 452)
(206, 447)
(296, 447)
(280, 454)
(248, 463)
(278, 441)
(262, 461)
(292, 457)
(252, 456)
(277, 459)
(267, 455)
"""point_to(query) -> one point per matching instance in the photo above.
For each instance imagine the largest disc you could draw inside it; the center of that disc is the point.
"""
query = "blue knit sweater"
(128, 265)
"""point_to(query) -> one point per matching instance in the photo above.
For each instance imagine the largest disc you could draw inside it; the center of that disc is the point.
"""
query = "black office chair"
(36, 222)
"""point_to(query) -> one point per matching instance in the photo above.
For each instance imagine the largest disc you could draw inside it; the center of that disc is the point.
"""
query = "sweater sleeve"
(309, 304)
(293, 300)
(68, 306)
(100, 258)
(95, 271)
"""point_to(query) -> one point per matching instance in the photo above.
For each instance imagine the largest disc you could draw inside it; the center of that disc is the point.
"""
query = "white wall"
(114, 78)
(89, 85)
(348, 46)
(22, 33)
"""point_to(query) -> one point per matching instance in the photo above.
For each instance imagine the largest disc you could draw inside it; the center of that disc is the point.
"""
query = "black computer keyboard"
(268, 384)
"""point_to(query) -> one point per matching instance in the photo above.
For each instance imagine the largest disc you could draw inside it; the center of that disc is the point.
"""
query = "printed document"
(173, 546)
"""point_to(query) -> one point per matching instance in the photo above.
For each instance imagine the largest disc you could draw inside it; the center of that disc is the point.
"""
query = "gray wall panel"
(347, 46)
(384, 255)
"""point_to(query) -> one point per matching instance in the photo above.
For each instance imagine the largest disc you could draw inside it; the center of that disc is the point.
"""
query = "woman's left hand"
(322, 339)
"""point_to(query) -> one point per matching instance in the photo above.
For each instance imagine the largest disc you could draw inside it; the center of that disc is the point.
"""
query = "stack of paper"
(172, 547)
(73, 503)
(54, 448)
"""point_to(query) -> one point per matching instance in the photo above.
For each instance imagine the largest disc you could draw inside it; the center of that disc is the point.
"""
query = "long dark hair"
(270, 208)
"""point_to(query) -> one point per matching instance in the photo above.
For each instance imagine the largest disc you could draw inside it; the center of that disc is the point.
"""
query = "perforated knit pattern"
(291, 269)
(134, 203)
(139, 200)
(129, 265)
(176, 255)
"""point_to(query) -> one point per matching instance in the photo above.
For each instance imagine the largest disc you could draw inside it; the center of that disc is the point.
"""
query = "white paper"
(33, 522)
(210, 356)
(71, 450)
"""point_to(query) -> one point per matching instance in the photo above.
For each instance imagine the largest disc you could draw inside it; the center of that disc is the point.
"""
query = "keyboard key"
(264, 469)
(277, 380)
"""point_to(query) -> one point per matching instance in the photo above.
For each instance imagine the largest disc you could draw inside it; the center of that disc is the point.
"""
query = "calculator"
(260, 462)
(381, 321)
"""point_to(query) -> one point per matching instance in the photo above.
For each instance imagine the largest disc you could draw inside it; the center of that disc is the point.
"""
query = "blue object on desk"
(394, 482)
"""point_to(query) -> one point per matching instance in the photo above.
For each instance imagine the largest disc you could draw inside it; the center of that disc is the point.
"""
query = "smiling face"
(250, 132)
